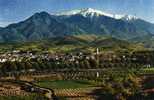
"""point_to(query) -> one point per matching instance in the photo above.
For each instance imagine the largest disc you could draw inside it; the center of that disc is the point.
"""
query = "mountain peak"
(43, 13)
(93, 12)
(86, 12)
(90, 10)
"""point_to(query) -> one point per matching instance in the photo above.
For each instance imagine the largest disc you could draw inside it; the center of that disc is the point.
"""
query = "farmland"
(77, 75)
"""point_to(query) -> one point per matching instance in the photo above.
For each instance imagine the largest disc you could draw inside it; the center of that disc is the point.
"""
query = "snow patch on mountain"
(125, 17)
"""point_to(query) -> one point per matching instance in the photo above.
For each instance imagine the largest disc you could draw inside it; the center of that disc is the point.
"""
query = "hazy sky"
(17, 10)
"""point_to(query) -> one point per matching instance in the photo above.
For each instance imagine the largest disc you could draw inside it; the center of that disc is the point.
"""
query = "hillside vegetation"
(85, 43)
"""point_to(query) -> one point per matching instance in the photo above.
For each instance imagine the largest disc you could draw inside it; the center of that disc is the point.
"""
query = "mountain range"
(76, 22)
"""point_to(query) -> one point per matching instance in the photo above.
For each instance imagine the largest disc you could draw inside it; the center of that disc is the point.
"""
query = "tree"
(87, 64)
(36, 66)
(94, 63)
(13, 66)
(28, 65)
(120, 86)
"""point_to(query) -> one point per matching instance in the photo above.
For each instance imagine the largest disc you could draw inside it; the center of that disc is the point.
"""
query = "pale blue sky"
(17, 10)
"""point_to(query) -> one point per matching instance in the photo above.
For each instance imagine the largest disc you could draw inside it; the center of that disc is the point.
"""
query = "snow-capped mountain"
(85, 21)
(89, 12)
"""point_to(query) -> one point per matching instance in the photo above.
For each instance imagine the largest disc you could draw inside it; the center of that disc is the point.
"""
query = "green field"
(65, 84)
(148, 70)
